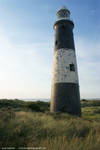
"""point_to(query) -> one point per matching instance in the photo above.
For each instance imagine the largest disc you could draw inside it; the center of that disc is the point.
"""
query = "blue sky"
(27, 41)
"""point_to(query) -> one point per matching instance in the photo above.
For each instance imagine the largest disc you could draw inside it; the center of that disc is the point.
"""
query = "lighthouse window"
(56, 43)
(72, 67)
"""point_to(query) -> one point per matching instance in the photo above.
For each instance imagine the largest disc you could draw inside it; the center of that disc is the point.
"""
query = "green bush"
(11, 103)
(20, 105)
(37, 106)
(33, 107)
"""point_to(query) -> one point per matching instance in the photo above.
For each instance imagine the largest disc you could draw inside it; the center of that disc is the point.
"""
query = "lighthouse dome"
(63, 13)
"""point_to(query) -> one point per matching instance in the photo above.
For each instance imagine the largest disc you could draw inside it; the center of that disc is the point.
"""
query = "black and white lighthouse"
(65, 96)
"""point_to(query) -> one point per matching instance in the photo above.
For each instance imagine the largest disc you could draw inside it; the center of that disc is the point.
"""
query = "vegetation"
(30, 124)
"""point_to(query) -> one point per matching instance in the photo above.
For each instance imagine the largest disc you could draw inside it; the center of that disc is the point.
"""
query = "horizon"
(42, 99)
(27, 44)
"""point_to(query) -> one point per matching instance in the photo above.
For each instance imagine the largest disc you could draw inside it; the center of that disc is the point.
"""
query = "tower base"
(65, 98)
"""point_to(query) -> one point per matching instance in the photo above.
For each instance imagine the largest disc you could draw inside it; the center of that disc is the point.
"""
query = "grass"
(24, 126)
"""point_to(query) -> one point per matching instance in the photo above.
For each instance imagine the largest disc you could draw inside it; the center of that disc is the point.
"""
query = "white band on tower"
(65, 66)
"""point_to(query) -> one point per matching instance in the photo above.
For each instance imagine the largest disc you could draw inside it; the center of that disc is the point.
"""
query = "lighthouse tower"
(65, 96)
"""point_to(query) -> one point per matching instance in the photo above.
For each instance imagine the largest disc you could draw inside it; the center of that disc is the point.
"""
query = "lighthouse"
(65, 95)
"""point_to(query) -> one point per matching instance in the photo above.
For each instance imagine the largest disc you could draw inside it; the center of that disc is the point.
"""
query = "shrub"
(7, 114)
(33, 107)
(97, 111)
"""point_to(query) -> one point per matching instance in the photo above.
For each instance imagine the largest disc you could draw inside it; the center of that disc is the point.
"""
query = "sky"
(27, 45)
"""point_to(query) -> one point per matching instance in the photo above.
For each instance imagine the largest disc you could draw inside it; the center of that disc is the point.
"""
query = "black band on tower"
(66, 98)
(64, 35)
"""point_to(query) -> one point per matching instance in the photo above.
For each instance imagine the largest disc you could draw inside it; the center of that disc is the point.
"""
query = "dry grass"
(53, 131)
